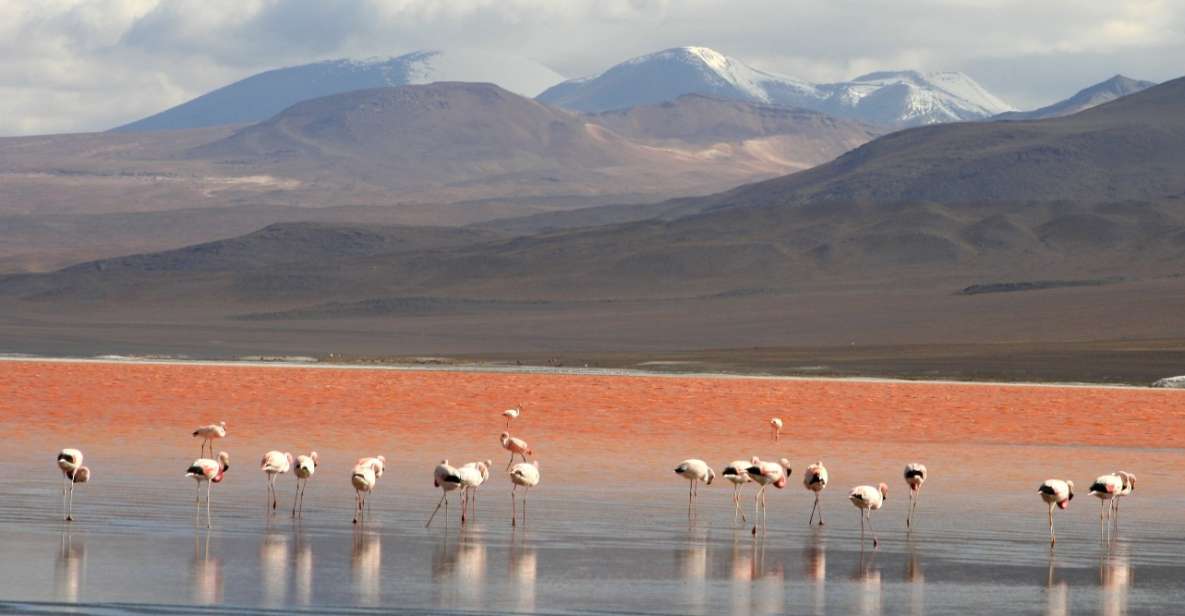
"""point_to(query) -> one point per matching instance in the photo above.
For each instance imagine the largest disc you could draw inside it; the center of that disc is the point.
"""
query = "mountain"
(424, 155)
(902, 98)
(265, 94)
(962, 237)
(1093, 96)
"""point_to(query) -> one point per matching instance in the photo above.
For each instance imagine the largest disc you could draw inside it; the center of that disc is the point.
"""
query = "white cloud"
(69, 65)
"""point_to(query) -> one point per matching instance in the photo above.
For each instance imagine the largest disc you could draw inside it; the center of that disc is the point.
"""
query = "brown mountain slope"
(440, 154)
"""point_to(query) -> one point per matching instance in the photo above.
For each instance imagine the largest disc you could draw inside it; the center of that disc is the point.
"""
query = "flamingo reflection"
(205, 573)
(304, 570)
(1057, 593)
(366, 561)
(869, 577)
(1115, 578)
(69, 568)
(814, 558)
(273, 565)
(691, 562)
(916, 578)
(458, 573)
(523, 568)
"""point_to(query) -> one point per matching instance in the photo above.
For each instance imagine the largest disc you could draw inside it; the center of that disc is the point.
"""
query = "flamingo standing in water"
(766, 474)
(305, 467)
(694, 471)
(363, 478)
(775, 424)
(512, 413)
(526, 476)
(1129, 486)
(815, 479)
(377, 464)
(868, 499)
(915, 476)
(209, 434)
(447, 478)
(210, 471)
(516, 446)
(274, 463)
(1106, 488)
(737, 472)
(70, 463)
(1056, 493)
(472, 476)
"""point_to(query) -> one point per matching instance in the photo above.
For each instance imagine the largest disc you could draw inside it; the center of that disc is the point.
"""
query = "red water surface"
(148, 405)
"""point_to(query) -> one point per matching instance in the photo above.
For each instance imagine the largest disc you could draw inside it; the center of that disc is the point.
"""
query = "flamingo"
(305, 467)
(868, 499)
(275, 463)
(472, 476)
(515, 446)
(737, 472)
(377, 463)
(765, 474)
(512, 413)
(915, 476)
(1106, 488)
(1056, 493)
(775, 424)
(210, 471)
(815, 479)
(70, 463)
(694, 471)
(525, 475)
(363, 478)
(209, 433)
(1129, 486)
(447, 478)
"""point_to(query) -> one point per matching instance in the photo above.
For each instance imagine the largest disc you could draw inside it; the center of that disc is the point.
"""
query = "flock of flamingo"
(1057, 493)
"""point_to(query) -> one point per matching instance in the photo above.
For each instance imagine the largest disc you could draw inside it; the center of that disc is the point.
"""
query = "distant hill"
(891, 98)
(1086, 98)
(438, 154)
(263, 95)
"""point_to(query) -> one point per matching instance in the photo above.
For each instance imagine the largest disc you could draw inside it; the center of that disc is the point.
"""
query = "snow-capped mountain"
(901, 98)
(1099, 93)
(263, 95)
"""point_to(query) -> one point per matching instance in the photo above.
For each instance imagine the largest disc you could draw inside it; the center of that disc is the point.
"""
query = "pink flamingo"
(210, 471)
(305, 467)
(512, 413)
(737, 472)
(73, 472)
(526, 476)
(363, 478)
(275, 463)
(815, 479)
(915, 476)
(516, 446)
(695, 471)
(1056, 493)
(868, 499)
(209, 434)
(766, 474)
(447, 478)
(775, 424)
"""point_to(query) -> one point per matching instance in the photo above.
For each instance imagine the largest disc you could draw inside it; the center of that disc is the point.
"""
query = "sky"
(84, 65)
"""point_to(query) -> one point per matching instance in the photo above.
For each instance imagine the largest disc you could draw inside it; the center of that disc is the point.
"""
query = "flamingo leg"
(511, 462)
(811, 520)
(303, 486)
(861, 513)
(1052, 536)
(70, 506)
(513, 502)
(875, 541)
(209, 486)
(438, 504)
(820, 508)
(464, 504)
(757, 508)
(525, 491)
(690, 486)
(357, 504)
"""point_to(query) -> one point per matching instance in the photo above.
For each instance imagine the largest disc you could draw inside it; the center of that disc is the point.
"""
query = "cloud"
(72, 65)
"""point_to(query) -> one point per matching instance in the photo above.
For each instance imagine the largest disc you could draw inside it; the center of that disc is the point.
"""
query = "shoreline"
(492, 368)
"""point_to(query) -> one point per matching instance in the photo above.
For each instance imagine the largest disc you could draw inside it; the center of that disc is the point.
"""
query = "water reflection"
(757, 584)
(691, 564)
(304, 570)
(458, 570)
(523, 567)
(1057, 592)
(869, 577)
(205, 572)
(916, 578)
(814, 564)
(69, 568)
(366, 561)
(1115, 576)
(273, 564)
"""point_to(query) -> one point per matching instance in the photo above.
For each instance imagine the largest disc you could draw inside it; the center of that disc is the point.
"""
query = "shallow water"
(607, 530)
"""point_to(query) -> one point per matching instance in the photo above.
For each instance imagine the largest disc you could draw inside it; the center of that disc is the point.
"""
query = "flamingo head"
(786, 465)
(288, 456)
(754, 461)
(223, 462)
(711, 476)
(314, 458)
(82, 475)
(884, 488)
